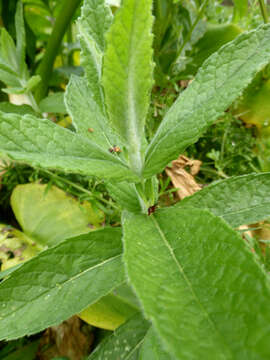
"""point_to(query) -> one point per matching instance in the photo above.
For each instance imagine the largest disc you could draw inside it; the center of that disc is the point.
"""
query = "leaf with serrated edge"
(125, 342)
(40, 142)
(239, 200)
(78, 272)
(199, 283)
(92, 25)
(127, 74)
(87, 117)
(221, 79)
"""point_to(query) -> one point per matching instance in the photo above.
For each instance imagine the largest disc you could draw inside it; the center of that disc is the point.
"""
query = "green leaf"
(221, 79)
(199, 283)
(32, 83)
(54, 103)
(127, 74)
(40, 142)
(8, 51)
(86, 114)
(7, 107)
(108, 313)
(49, 215)
(124, 343)
(152, 349)
(239, 200)
(20, 40)
(126, 195)
(93, 24)
(78, 272)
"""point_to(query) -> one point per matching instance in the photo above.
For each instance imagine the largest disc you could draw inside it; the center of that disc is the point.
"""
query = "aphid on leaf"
(152, 209)
(90, 130)
(115, 149)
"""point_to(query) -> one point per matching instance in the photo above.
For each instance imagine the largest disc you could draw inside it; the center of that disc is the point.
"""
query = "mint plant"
(202, 292)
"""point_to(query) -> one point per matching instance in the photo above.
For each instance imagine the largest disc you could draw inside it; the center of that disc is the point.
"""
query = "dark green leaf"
(60, 282)
(199, 283)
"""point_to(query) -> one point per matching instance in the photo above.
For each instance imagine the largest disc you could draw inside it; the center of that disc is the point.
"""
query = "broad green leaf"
(78, 272)
(221, 79)
(152, 348)
(108, 313)
(127, 74)
(54, 103)
(239, 200)
(125, 194)
(125, 342)
(199, 283)
(93, 24)
(15, 247)
(40, 142)
(49, 215)
(86, 114)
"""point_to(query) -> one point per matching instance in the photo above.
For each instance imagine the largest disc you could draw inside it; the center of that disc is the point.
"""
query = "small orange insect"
(115, 149)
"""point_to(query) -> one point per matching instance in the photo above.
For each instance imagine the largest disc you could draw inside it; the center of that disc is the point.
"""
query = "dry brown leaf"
(183, 180)
(65, 340)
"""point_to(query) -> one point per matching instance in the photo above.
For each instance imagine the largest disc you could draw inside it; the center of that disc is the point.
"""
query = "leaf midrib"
(181, 270)
(64, 282)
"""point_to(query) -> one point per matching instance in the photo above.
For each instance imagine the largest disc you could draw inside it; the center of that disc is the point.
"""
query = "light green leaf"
(199, 283)
(86, 114)
(152, 349)
(126, 195)
(124, 343)
(32, 83)
(40, 142)
(14, 90)
(78, 271)
(108, 313)
(93, 24)
(239, 200)
(54, 103)
(8, 51)
(49, 215)
(127, 74)
(7, 75)
(221, 79)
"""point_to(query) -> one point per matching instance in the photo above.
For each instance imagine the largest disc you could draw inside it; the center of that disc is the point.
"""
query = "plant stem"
(264, 11)
(61, 24)
(200, 13)
(78, 187)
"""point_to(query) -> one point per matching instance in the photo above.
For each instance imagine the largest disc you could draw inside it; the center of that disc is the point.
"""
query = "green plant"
(203, 292)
